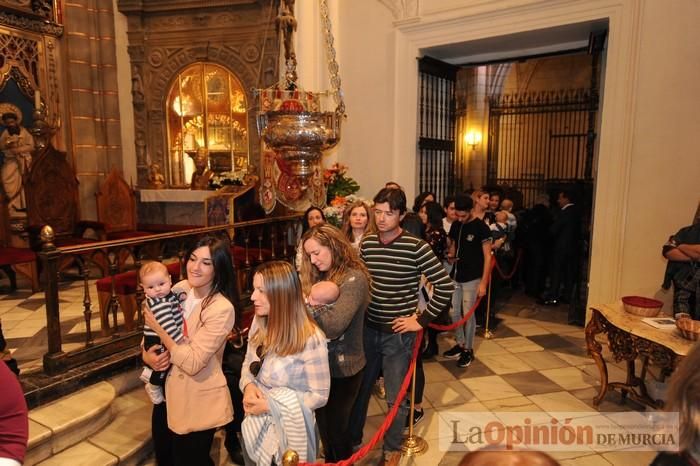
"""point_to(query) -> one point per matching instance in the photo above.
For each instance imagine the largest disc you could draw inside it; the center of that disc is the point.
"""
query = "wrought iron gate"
(540, 143)
(543, 139)
(436, 123)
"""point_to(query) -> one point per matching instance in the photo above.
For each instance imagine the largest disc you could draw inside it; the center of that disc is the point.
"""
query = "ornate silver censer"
(297, 136)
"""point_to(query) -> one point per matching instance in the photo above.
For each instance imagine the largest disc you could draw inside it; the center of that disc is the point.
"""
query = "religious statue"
(202, 174)
(251, 177)
(137, 87)
(17, 145)
(288, 24)
(156, 180)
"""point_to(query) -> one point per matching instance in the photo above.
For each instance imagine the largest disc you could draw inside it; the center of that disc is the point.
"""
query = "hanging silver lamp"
(299, 136)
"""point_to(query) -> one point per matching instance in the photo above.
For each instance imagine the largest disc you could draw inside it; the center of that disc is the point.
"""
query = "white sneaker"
(146, 375)
(155, 393)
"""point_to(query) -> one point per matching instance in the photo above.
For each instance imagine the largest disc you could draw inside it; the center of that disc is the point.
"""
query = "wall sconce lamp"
(472, 138)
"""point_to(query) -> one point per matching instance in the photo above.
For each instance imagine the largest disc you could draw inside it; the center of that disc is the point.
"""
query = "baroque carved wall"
(167, 36)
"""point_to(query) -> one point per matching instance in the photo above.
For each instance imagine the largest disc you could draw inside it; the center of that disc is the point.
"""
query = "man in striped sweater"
(395, 260)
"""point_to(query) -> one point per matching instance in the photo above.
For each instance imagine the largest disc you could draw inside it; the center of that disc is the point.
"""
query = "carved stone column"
(93, 98)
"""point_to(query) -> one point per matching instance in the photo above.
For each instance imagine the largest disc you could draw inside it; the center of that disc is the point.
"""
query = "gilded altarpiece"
(168, 36)
(30, 47)
(30, 56)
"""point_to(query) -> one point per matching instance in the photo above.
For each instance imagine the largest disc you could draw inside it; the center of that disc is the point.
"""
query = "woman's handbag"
(234, 354)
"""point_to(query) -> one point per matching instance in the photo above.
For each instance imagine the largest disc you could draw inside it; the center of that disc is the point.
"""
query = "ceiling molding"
(401, 9)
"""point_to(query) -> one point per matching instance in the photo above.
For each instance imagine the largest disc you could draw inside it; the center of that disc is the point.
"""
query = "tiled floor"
(532, 364)
(535, 362)
(23, 317)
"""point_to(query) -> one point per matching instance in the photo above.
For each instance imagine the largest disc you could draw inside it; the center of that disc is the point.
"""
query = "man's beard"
(13, 130)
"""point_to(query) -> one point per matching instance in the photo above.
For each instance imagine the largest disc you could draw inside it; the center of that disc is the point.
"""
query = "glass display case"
(206, 108)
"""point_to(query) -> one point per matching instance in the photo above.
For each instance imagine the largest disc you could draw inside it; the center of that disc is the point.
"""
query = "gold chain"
(333, 69)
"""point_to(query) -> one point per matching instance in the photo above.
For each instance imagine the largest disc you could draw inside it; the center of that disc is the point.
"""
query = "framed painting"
(219, 210)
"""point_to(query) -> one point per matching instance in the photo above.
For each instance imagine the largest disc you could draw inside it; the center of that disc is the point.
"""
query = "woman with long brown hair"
(285, 374)
(357, 222)
(207, 295)
(328, 255)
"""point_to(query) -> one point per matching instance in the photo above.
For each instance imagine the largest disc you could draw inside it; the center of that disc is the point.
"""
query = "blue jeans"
(390, 352)
(463, 299)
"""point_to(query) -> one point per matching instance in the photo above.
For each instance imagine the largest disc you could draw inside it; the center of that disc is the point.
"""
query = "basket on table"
(689, 328)
(641, 306)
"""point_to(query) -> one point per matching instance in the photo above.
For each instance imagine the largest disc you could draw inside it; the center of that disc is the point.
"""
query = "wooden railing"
(251, 242)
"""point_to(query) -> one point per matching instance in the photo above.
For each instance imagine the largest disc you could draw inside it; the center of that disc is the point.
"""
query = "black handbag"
(234, 354)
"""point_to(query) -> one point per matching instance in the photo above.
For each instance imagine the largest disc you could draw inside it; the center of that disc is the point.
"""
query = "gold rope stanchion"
(487, 333)
(413, 445)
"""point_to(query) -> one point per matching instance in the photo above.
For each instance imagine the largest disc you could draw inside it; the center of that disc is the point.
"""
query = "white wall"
(664, 187)
(365, 42)
(363, 35)
(649, 166)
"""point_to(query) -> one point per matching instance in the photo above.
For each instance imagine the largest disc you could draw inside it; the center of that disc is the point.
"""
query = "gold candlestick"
(290, 458)
(41, 131)
(487, 333)
(413, 445)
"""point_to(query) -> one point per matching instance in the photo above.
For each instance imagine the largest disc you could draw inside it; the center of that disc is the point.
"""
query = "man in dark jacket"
(565, 235)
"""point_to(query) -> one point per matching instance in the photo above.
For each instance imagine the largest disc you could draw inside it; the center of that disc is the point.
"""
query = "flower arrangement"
(338, 183)
(335, 209)
(225, 180)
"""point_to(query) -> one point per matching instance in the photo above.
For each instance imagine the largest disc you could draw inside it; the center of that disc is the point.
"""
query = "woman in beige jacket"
(197, 398)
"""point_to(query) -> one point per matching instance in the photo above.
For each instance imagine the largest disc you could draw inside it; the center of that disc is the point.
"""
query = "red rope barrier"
(513, 270)
(466, 317)
(462, 321)
(362, 452)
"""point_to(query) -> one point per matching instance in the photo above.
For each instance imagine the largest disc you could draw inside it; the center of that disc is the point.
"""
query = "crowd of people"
(325, 330)
(346, 315)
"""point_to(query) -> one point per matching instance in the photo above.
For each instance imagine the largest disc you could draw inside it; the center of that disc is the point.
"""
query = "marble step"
(82, 454)
(68, 421)
(108, 423)
(125, 440)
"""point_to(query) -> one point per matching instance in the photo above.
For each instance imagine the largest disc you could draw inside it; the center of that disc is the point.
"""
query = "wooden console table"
(629, 339)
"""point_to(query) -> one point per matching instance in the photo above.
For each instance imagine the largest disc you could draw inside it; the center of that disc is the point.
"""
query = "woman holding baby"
(197, 398)
(329, 257)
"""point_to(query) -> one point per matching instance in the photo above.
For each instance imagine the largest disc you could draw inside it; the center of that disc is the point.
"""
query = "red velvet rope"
(362, 452)
(513, 270)
(462, 321)
(466, 317)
